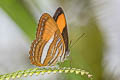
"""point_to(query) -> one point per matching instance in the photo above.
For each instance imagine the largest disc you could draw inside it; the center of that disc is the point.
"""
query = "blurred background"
(98, 52)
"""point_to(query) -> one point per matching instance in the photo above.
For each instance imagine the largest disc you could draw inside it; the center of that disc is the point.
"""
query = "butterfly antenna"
(83, 35)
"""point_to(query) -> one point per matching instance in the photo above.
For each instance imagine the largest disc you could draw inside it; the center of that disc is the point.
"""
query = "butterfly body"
(51, 43)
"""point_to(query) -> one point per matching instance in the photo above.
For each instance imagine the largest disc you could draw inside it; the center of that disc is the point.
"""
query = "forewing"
(46, 27)
(60, 19)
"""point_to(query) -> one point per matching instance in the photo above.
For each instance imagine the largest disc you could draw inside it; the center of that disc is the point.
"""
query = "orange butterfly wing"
(60, 19)
(47, 33)
(46, 27)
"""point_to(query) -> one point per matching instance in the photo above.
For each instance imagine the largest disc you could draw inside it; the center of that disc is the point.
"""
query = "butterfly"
(51, 43)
